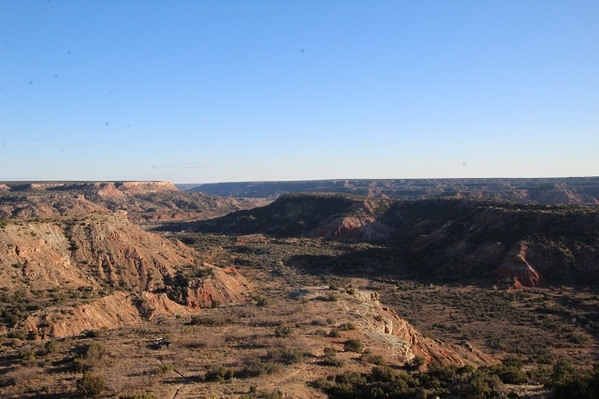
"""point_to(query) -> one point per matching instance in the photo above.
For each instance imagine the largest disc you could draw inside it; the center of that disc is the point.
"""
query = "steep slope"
(401, 339)
(124, 273)
(333, 216)
(526, 244)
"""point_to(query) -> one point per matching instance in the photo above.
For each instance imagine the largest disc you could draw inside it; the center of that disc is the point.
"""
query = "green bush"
(332, 360)
(95, 351)
(52, 346)
(286, 355)
(137, 396)
(257, 367)
(209, 321)
(165, 368)
(261, 301)
(93, 354)
(283, 331)
(335, 334)
(220, 374)
(90, 385)
(372, 359)
(330, 351)
(353, 345)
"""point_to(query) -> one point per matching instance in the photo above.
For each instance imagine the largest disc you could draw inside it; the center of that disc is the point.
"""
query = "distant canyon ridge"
(568, 191)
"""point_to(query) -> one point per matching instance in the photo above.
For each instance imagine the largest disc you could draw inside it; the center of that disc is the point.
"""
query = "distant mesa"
(571, 191)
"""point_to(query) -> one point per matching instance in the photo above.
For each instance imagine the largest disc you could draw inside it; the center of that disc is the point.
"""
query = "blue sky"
(211, 91)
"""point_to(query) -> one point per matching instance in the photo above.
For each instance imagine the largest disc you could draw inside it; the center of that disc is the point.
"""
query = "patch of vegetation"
(283, 331)
(286, 355)
(92, 355)
(137, 396)
(221, 373)
(90, 385)
(210, 321)
(353, 345)
(257, 367)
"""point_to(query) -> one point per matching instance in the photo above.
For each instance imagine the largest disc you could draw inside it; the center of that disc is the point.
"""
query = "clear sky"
(211, 91)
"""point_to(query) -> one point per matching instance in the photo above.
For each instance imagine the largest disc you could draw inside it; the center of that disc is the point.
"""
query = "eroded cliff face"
(527, 245)
(517, 268)
(142, 200)
(380, 327)
(406, 342)
(114, 272)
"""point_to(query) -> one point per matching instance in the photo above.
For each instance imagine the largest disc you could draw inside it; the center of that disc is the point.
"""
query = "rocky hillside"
(529, 244)
(332, 216)
(573, 191)
(62, 276)
(448, 239)
(142, 200)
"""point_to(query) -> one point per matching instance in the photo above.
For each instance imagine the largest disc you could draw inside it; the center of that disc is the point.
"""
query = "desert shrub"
(254, 394)
(92, 355)
(286, 355)
(335, 334)
(332, 360)
(417, 362)
(353, 345)
(510, 372)
(95, 351)
(257, 367)
(137, 396)
(52, 346)
(283, 331)
(577, 339)
(261, 301)
(580, 385)
(332, 297)
(347, 385)
(368, 357)
(330, 351)
(220, 374)
(28, 356)
(165, 368)
(563, 371)
(94, 333)
(90, 384)
(347, 327)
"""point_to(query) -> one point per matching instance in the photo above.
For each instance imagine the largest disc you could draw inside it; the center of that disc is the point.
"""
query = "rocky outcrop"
(142, 200)
(529, 245)
(224, 286)
(330, 216)
(400, 338)
(517, 269)
(116, 273)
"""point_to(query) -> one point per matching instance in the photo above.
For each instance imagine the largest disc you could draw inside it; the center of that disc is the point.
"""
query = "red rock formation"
(224, 286)
(518, 269)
